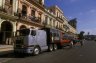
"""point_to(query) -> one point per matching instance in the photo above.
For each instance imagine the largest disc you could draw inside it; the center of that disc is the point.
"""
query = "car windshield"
(23, 32)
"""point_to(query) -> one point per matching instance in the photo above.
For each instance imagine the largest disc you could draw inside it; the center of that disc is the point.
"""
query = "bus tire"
(36, 50)
(50, 48)
(55, 47)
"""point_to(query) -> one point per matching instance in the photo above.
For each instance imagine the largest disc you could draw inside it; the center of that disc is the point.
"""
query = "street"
(77, 54)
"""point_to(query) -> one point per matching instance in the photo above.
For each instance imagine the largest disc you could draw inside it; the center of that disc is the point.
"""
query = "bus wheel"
(50, 47)
(36, 51)
(55, 47)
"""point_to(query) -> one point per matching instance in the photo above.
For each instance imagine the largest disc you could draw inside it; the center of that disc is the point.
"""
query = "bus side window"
(65, 37)
(33, 32)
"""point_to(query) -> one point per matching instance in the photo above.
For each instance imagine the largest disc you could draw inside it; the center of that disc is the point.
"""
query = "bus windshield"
(23, 32)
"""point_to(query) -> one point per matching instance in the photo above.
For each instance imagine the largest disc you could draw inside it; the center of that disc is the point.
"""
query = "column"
(28, 11)
(15, 6)
(0, 24)
(48, 22)
(42, 2)
(43, 18)
(52, 22)
(1, 2)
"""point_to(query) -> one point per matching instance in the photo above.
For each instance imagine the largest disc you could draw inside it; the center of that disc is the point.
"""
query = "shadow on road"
(12, 55)
(19, 55)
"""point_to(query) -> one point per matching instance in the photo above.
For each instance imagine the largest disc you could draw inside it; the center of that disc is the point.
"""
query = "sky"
(83, 10)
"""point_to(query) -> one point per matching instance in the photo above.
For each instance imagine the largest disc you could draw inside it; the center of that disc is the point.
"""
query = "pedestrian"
(81, 37)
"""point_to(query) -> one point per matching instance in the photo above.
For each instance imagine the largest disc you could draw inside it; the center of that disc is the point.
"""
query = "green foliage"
(81, 35)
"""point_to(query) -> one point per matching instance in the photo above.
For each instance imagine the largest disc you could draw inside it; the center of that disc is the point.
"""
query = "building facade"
(19, 14)
(73, 23)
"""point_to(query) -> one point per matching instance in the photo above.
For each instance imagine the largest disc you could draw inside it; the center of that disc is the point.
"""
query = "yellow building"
(18, 14)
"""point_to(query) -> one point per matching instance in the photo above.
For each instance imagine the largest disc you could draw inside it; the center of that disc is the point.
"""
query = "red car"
(65, 40)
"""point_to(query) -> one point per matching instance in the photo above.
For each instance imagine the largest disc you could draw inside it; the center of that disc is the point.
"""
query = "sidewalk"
(5, 49)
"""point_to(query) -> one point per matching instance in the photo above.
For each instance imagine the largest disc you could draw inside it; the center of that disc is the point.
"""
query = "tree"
(81, 35)
(88, 33)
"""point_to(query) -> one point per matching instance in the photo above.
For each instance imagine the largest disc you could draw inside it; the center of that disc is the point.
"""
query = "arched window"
(11, 1)
(22, 27)
(33, 13)
(6, 33)
(24, 10)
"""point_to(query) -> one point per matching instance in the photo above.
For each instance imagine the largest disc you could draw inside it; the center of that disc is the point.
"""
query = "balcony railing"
(3, 10)
(44, 23)
(59, 28)
(6, 10)
(37, 2)
(7, 16)
(28, 18)
(34, 19)
(60, 19)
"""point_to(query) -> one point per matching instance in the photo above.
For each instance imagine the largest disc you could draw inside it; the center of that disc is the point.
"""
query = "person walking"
(81, 37)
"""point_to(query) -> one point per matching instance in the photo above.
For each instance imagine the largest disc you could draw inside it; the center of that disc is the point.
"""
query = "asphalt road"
(78, 54)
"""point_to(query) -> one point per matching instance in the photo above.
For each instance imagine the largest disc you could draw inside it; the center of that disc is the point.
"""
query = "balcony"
(60, 19)
(44, 23)
(36, 3)
(2, 10)
(47, 25)
(6, 9)
(59, 28)
(5, 15)
(34, 19)
(28, 18)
